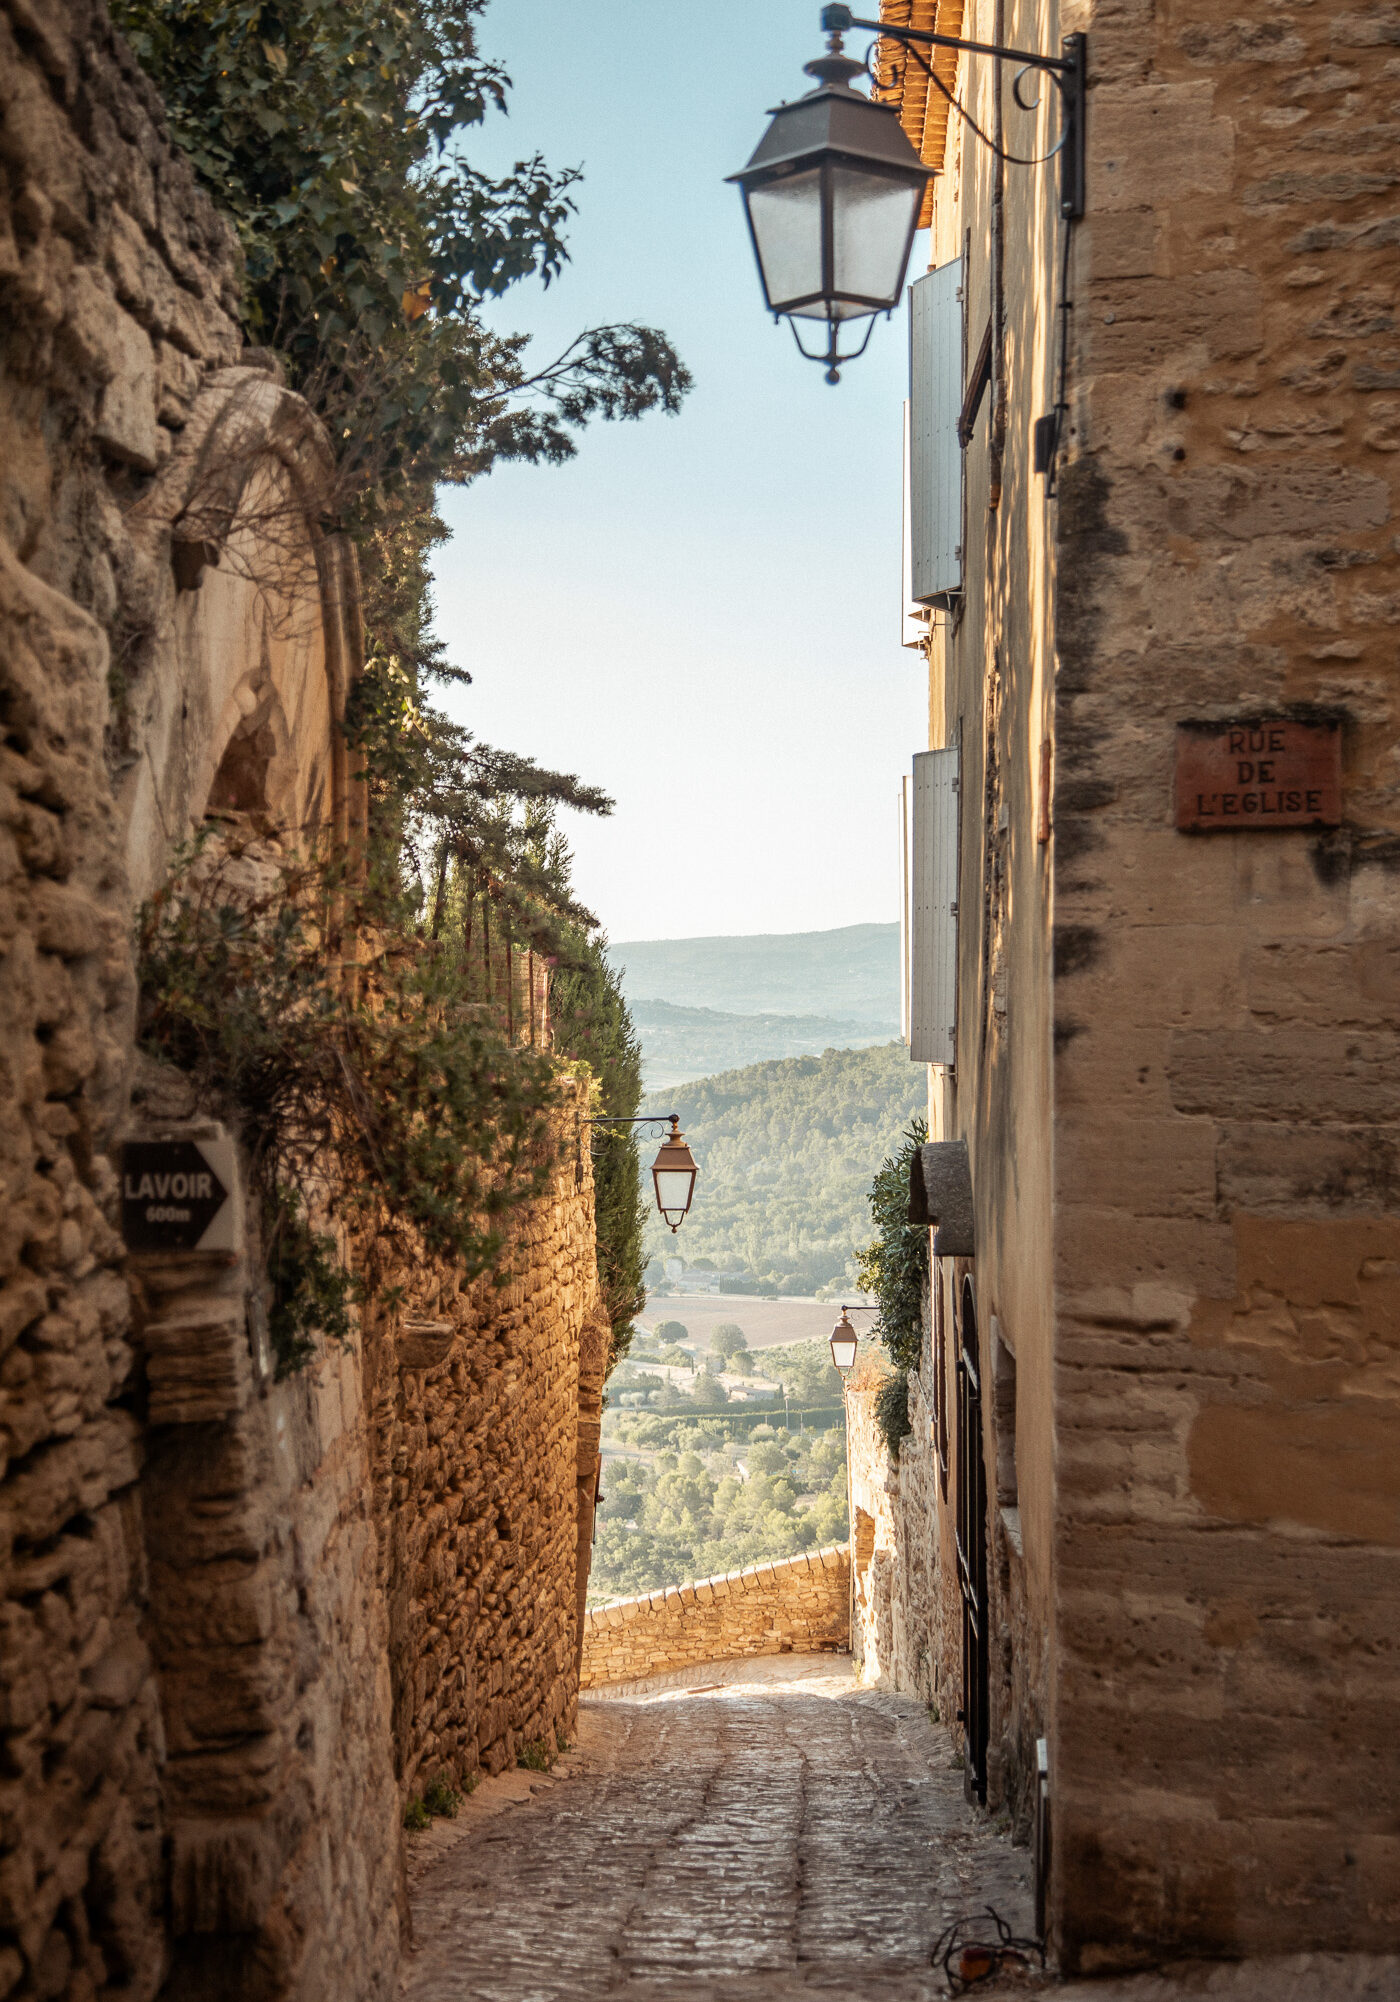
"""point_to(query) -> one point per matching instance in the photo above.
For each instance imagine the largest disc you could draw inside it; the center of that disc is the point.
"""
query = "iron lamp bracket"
(1068, 72)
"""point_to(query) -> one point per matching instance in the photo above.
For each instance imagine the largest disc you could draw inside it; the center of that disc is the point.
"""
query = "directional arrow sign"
(175, 1195)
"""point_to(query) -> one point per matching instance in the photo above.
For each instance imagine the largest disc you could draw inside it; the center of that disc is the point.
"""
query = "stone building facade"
(1157, 1420)
(242, 1620)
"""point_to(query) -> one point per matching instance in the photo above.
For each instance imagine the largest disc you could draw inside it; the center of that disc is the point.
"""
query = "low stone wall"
(800, 1605)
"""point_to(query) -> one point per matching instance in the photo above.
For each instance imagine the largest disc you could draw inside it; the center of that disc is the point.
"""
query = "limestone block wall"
(1226, 1035)
(117, 290)
(269, 1635)
(897, 1632)
(476, 1415)
(797, 1605)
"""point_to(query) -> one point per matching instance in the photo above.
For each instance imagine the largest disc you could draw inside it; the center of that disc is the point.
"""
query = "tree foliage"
(894, 1265)
(715, 1500)
(333, 133)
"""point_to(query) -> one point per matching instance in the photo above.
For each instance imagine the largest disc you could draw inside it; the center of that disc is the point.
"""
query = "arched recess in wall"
(257, 639)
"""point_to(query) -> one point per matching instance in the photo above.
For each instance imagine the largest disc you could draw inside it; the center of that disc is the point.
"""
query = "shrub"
(383, 1094)
(892, 1409)
(894, 1266)
(534, 1756)
(416, 1815)
(442, 1797)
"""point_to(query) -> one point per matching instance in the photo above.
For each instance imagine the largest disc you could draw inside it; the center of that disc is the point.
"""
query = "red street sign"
(1266, 772)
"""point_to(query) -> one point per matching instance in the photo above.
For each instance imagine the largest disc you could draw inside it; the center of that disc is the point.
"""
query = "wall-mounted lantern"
(673, 1171)
(834, 188)
(832, 195)
(844, 1340)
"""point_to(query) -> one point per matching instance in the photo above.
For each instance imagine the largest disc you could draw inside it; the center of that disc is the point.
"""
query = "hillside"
(787, 1150)
(687, 1043)
(851, 974)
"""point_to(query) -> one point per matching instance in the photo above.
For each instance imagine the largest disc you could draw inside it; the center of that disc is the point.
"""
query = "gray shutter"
(933, 1010)
(935, 455)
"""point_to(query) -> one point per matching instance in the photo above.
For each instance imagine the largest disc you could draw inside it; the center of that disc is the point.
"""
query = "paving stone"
(759, 1828)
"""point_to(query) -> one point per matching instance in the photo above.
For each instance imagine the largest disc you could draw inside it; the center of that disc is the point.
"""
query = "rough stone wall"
(117, 285)
(269, 1635)
(896, 1634)
(200, 1795)
(476, 1419)
(798, 1605)
(1228, 1038)
(1183, 1137)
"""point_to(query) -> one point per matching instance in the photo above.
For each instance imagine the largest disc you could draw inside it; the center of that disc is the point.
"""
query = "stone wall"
(1176, 1052)
(477, 1424)
(118, 286)
(797, 1605)
(237, 1616)
(896, 1614)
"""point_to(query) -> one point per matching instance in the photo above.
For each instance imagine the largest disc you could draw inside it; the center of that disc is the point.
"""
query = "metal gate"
(972, 1552)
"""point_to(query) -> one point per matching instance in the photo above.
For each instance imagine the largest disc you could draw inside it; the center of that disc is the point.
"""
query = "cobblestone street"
(782, 1833)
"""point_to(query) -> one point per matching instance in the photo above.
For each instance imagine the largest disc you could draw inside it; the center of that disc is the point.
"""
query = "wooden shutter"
(935, 454)
(933, 1010)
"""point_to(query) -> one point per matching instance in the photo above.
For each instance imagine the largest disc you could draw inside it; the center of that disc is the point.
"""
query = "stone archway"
(242, 695)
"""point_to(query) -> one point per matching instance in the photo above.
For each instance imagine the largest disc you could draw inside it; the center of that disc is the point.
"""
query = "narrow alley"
(753, 1828)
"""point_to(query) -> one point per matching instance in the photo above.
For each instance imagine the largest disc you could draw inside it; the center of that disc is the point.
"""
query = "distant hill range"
(849, 975)
(709, 1004)
(679, 1044)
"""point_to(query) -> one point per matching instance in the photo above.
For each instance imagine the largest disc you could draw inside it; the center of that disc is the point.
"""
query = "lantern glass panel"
(872, 218)
(843, 1351)
(786, 218)
(673, 1186)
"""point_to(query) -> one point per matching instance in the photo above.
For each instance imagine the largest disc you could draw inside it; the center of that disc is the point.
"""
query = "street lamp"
(844, 1338)
(834, 188)
(832, 195)
(844, 1341)
(674, 1171)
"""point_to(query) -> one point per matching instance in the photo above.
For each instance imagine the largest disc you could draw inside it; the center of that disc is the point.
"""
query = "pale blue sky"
(699, 613)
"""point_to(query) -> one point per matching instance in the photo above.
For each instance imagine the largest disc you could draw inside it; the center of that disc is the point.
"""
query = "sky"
(699, 613)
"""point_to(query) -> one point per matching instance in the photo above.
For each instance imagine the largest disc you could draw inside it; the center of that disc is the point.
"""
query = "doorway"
(971, 1537)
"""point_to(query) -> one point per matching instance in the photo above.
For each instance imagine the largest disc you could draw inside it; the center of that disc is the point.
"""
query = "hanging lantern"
(674, 1171)
(843, 1343)
(832, 195)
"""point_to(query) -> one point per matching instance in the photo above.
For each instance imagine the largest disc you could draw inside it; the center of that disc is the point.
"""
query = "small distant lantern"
(843, 1343)
(674, 1172)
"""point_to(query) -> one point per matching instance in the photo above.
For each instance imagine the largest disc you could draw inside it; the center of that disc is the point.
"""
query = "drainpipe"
(998, 262)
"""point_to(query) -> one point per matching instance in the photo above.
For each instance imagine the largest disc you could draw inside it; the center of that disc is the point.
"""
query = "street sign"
(1264, 772)
(177, 1195)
